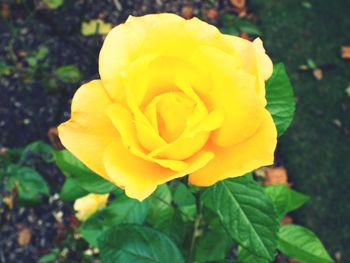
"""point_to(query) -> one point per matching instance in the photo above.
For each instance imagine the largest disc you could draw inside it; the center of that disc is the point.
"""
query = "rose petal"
(123, 121)
(140, 178)
(239, 159)
(233, 92)
(254, 60)
(89, 130)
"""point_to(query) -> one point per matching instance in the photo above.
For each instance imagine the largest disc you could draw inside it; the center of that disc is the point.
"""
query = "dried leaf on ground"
(276, 175)
(244, 35)
(345, 52)
(54, 139)
(337, 123)
(5, 10)
(318, 74)
(212, 13)
(24, 236)
(240, 7)
(287, 220)
(8, 200)
(95, 26)
(238, 3)
(187, 12)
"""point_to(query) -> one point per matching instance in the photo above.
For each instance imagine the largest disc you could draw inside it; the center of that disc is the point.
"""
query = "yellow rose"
(176, 97)
(89, 204)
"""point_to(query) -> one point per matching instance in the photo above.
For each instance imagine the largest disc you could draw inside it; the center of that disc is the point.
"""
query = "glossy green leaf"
(285, 199)
(68, 74)
(40, 148)
(302, 244)
(71, 190)
(170, 222)
(185, 201)
(29, 183)
(248, 27)
(133, 243)
(280, 98)
(244, 256)
(159, 201)
(121, 210)
(163, 216)
(87, 179)
(247, 213)
(213, 245)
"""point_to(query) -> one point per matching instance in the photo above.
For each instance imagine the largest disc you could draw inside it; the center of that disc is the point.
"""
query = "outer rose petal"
(89, 130)
(150, 34)
(237, 160)
(254, 60)
(139, 177)
(234, 92)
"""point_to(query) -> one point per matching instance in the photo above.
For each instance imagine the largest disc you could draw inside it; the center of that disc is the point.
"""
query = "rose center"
(169, 113)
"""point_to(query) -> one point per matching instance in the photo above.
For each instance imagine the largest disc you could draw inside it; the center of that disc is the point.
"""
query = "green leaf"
(170, 222)
(248, 27)
(163, 216)
(133, 243)
(39, 148)
(53, 3)
(30, 184)
(247, 213)
(185, 201)
(122, 210)
(87, 179)
(5, 69)
(230, 30)
(285, 199)
(42, 52)
(280, 98)
(71, 190)
(244, 256)
(32, 61)
(214, 245)
(68, 74)
(302, 244)
(159, 201)
(50, 258)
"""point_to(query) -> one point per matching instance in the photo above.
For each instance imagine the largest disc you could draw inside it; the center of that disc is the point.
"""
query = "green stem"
(196, 230)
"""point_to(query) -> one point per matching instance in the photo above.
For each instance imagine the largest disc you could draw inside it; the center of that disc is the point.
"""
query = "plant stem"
(196, 231)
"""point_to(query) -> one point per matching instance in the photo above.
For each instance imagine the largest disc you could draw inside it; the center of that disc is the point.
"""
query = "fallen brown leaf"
(276, 175)
(187, 12)
(287, 220)
(238, 3)
(244, 35)
(24, 236)
(54, 139)
(318, 74)
(8, 200)
(3, 151)
(212, 13)
(345, 52)
(5, 10)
